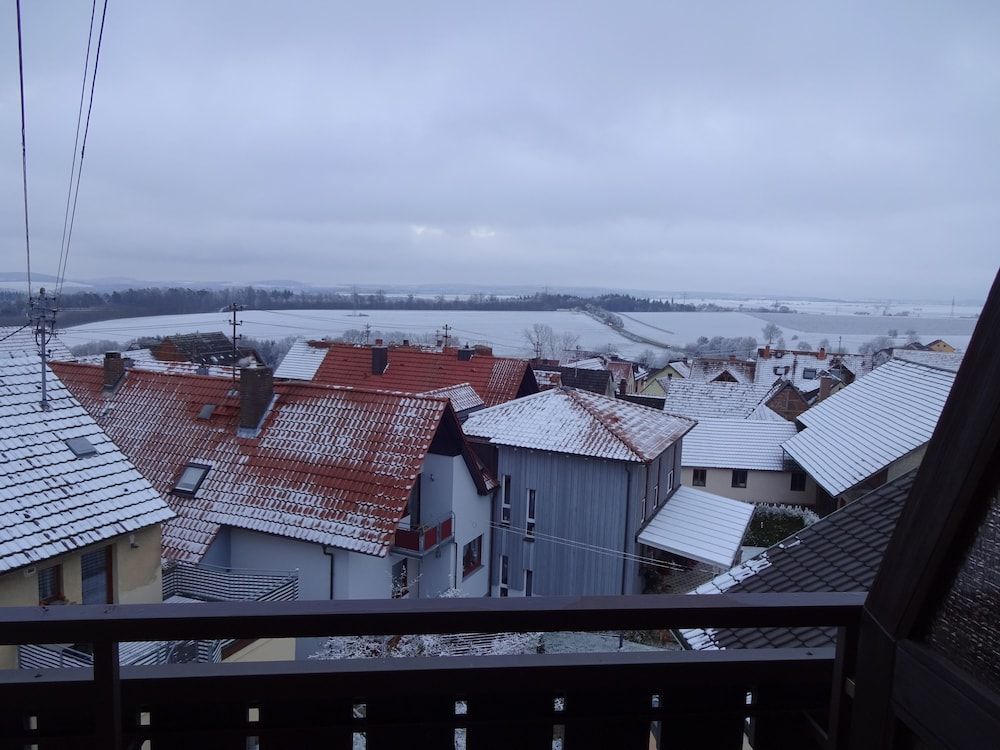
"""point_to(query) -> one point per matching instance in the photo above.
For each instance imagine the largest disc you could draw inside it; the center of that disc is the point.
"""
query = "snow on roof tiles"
(412, 370)
(737, 444)
(864, 427)
(950, 361)
(19, 341)
(841, 552)
(330, 465)
(51, 500)
(700, 526)
(565, 420)
(462, 396)
(804, 369)
(706, 370)
(713, 400)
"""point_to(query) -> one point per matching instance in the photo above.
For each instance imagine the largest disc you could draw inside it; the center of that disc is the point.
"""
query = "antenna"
(233, 309)
(43, 319)
(447, 336)
(368, 331)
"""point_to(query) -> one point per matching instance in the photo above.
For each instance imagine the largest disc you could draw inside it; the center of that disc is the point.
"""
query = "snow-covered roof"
(566, 420)
(700, 526)
(713, 400)
(950, 361)
(136, 359)
(841, 552)
(706, 370)
(681, 367)
(871, 423)
(590, 363)
(804, 369)
(329, 465)
(52, 500)
(737, 444)
(301, 361)
(462, 396)
(547, 378)
(19, 341)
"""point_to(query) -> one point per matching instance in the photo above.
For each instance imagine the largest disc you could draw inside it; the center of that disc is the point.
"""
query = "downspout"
(628, 515)
(329, 553)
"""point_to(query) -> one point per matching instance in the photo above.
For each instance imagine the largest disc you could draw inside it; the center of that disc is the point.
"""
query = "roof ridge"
(616, 433)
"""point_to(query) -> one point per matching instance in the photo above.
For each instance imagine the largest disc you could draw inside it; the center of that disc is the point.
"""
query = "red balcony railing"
(426, 537)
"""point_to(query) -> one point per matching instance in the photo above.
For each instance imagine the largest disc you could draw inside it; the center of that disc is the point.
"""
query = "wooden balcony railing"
(784, 698)
(425, 537)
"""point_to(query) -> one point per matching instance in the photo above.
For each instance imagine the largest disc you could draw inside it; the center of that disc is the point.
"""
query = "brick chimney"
(114, 370)
(622, 387)
(825, 386)
(380, 358)
(766, 353)
(378, 342)
(821, 354)
(256, 392)
(732, 358)
(466, 354)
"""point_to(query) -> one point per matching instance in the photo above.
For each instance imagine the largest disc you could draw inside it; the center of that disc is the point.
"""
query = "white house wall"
(762, 486)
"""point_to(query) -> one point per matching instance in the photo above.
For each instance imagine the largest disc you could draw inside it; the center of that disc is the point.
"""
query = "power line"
(61, 276)
(76, 143)
(24, 147)
(15, 332)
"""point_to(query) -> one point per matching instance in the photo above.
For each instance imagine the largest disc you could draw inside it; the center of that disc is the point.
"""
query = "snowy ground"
(504, 330)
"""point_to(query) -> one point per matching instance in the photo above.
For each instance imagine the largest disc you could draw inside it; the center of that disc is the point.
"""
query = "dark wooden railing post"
(841, 695)
(107, 685)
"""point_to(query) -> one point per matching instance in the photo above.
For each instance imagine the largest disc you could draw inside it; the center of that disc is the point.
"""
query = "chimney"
(825, 386)
(440, 342)
(378, 342)
(466, 354)
(380, 358)
(406, 342)
(622, 387)
(256, 392)
(766, 353)
(114, 370)
(732, 358)
(822, 353)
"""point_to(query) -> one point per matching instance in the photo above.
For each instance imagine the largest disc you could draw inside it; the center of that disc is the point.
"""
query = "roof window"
(809, 373)
(81, 447)
(206, 411)
(191, 479)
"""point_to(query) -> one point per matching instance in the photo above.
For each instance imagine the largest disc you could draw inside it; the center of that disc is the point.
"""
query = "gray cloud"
(838, 149)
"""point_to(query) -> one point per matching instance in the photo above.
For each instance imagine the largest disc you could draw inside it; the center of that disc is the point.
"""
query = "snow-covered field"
(504, 330)
(842, 307)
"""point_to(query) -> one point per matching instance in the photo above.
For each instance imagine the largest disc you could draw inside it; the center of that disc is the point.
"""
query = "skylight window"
(206, 411)
(809, 373)
(81, 447)
(191, 478)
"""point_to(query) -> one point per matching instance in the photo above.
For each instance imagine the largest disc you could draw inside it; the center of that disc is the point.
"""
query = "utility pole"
(233, 309)
(368, 330)
(42, 313)
(447, 336)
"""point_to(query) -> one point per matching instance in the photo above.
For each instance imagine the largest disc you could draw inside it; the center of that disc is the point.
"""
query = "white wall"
(762, 486)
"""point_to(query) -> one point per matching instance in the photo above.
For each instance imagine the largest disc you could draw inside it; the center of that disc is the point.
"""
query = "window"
(504, 574)
(191, 479)
(529, 527)
(472, 556)
(699, 477)
(206, 411)
(642, 509)
(50, 585)
(809, 373)
(95, 572)
(413, 504)
(505, 502)
(798, 481)
(529, 576)
(739, 477)
(656, 497)
(670, 480)
(400, 580)
(81, 447)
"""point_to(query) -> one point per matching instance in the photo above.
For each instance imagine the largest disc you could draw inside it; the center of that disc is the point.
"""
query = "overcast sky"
(837, 148)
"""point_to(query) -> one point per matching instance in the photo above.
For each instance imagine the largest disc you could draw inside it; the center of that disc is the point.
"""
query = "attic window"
(191, 478)
(809, 373)
(206, 411)
(81, 447)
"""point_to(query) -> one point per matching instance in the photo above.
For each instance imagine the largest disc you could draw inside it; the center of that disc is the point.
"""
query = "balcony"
(182, 583)
(779, 698)
(417, 541)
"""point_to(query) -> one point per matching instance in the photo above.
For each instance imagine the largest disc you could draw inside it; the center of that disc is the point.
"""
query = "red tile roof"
(329, 465)
(412, 370)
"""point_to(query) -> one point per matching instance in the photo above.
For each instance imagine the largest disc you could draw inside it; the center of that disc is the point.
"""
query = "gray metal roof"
(737, 444)
(871, 423)
(839, 553)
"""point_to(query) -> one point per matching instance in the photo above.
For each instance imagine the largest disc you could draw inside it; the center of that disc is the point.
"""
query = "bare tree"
(771, 332)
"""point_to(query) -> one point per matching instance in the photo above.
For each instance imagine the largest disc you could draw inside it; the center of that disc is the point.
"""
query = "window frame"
(191, 491)
(476, 547)
(529, 582)
(530, 516)
(109, 583)
(400, 584)
(670, 481)
(58, 595)
(800, 475)
(694, 477)
(736, 483)
(505, 501)
(504, 575)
